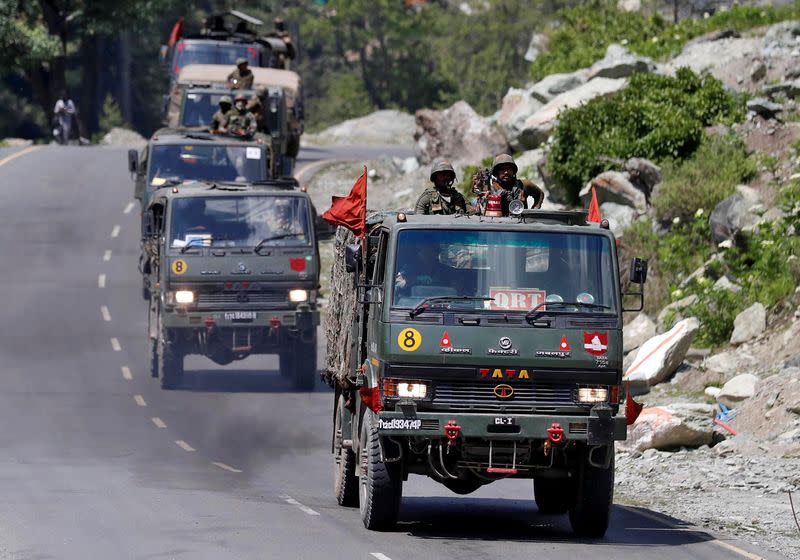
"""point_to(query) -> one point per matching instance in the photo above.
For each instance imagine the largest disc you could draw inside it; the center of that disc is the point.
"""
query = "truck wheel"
(381, 484)
(345, 484)
(286, 364)
(170, 362)
(590, 513)
(305, 366)
(153, 358)
(553, 496)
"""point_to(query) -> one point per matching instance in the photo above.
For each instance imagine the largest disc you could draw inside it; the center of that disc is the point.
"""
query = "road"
(98, 462)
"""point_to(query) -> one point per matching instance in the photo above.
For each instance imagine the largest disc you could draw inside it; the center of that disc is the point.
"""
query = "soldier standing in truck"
(442, 197)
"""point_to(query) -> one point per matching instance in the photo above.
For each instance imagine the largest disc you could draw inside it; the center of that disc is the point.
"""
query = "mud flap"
(601, 430)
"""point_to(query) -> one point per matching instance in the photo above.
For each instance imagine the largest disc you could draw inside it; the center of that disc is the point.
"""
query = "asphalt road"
(98, 462)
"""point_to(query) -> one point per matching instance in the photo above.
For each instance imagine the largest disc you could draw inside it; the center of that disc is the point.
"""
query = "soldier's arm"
(423, 204)
(529, 188)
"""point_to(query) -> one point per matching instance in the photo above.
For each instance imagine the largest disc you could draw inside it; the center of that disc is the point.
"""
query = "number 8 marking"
(179, 266)
(409, 339)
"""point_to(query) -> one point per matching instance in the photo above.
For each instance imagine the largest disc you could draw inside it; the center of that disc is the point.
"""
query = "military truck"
(194, 98)
(234, 271)
(470, 350)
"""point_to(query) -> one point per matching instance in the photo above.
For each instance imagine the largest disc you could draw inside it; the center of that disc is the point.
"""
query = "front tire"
(345, 484)
(304, 377)
(381, 484)
(589, 516)
(170, 362)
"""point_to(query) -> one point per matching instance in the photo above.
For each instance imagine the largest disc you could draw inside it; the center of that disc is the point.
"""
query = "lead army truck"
(234, 271)
(470, 350)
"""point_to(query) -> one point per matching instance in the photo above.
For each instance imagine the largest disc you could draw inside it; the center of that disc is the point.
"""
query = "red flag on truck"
(350, 211)
(594, 208)
(177, 31)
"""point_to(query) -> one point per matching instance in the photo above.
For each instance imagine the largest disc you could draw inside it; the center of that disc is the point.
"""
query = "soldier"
(441, 198)
(504, 182)
(242, 77)
(219, 123)
(255, 106)
(241, 122)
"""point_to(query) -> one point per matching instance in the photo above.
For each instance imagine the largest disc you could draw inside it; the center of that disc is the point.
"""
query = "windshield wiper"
(529, 316)
(424, 305)
(275, 237)
(193, 244)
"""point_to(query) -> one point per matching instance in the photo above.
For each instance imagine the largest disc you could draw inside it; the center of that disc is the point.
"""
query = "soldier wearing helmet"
(219, 122)
(240, 121)
(242, 77)
(442, 197)
(504, 182)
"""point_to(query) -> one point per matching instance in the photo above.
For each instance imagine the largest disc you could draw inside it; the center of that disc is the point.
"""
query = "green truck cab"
(234, 271)
(479, 349)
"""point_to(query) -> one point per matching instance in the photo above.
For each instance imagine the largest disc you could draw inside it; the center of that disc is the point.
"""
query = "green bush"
(655, 117)
(716, 309)
(701, 182)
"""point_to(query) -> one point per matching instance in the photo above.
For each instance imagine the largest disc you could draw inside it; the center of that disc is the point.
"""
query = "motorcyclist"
(240, 121)
(63, 114)
(504, 182)
(219, 122)
(442, 197)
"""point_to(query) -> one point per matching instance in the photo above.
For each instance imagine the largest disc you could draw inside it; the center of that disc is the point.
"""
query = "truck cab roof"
(183, 136)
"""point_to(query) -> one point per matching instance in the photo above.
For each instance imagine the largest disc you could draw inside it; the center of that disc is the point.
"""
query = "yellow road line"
(21, 153)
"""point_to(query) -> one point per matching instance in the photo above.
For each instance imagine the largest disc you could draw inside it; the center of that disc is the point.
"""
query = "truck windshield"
(198, 108)
(240, 221)
(518, 270)
(213, 53)
(205, 162)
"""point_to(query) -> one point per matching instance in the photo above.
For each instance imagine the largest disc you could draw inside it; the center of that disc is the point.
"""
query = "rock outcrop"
(670, 427)
(658, 358)
(749, 324)
(458, 133)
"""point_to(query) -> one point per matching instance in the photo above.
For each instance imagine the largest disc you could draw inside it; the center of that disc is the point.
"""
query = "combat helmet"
(442, 165)
(226, 99)
(240, 97)
(240, 61)
(503, 159)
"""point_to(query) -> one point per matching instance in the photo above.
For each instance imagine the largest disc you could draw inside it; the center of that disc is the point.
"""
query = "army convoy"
(472, 349)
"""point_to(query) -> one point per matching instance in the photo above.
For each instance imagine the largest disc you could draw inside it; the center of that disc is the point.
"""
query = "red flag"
(632, 408)
(350, 211)
(594, 208)
(177, 31)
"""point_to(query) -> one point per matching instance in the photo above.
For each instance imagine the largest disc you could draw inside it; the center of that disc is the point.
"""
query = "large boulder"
(674, 310)
(458, 133)
(619, 62)
(118, 136)
(643, 174)
(734, 214)
(658, 358)
(729, 362)
(790, 89)
(619, 216)
(388, 126)
(749, 324)
(614, 186)
(518, 105)
(670, 427)
(637, 332)
(554, 85)
(537, 44)
(538, 127)
(738, 389)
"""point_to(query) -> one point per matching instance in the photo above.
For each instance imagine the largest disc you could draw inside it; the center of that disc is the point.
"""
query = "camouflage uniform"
(432, 201)
(241, 80)
(218, 121)
(241, 122)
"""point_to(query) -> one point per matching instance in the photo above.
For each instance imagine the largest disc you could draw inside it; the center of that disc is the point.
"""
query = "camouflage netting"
(341, 312)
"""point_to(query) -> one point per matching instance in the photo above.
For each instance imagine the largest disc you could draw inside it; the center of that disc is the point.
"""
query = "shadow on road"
(518, 520)
(239, 381)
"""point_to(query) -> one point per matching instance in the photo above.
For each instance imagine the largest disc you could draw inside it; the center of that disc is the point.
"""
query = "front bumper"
(301, 318)
(592, 429)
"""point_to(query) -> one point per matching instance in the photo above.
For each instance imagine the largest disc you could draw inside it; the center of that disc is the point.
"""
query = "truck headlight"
(298, 296)
(592, 394)
(395, 388)
(184, 296)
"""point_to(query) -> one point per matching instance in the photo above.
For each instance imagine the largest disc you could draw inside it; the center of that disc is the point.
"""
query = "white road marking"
(379, 556)
(101, 280)
(301, 507)
(107, 255)
(311, 167)
(225, 467)
(115, 345)
(12, 157)
(126, 373)
(722, 544)
(158, 422)
(128, 208)
(115, 232)
(105, 313)
(183, 445)
(139, 399)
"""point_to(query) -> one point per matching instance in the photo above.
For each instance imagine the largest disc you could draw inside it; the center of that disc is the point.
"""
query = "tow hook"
(275, 323)
(555, 433)
(452, 431)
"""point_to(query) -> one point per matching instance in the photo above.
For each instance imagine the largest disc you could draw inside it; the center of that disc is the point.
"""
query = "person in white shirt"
(64, 112)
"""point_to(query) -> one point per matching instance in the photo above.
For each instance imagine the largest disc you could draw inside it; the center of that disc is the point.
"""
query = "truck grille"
(481, 397)
(248, 299)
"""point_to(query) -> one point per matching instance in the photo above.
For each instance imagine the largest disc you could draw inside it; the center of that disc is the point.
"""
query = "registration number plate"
(504, 421)
(242, 316)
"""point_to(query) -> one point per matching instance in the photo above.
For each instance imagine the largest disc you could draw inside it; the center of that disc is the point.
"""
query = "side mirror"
(323, 229)
(352, 258)
(133, 161)
(148, 228)
(162, 53)
(638, 271)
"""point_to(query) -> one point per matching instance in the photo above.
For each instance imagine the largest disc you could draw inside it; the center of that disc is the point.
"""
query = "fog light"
(592, 394)
(406, 390)
(184, 296)
(298, 296)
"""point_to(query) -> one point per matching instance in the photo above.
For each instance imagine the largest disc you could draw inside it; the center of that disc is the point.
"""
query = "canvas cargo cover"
(218, 74)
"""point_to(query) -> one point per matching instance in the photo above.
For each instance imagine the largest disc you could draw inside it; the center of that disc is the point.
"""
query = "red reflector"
(298, 265)
(177, 69)
(499, 470)
(252, 52)
(228, 285)
(245, 285)
(371, 398)
(275, 322)
(181, 46)
(210, 322)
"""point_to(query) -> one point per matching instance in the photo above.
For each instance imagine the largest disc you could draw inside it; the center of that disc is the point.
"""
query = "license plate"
(243, 316)
(504, 421)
